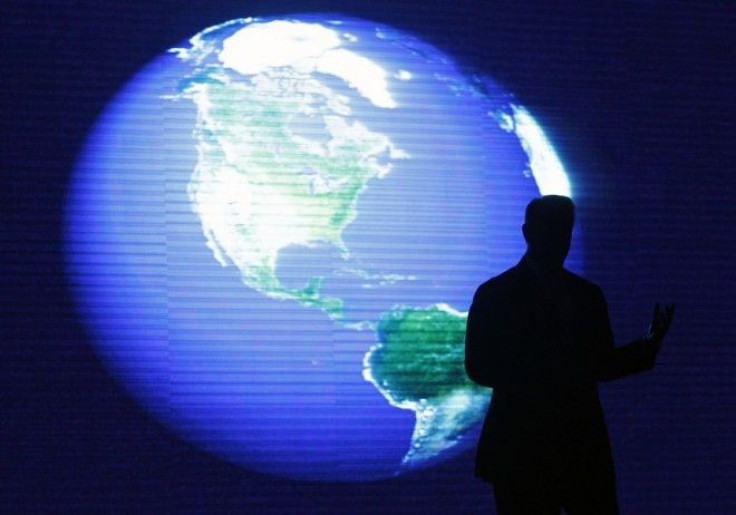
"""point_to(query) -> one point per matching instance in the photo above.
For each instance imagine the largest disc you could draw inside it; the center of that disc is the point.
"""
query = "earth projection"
(274, 233)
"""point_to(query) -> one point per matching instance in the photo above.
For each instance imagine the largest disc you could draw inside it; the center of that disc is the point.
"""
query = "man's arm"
(482, 333)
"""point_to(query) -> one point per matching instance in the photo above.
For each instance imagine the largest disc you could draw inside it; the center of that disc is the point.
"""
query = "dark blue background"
(637, 98)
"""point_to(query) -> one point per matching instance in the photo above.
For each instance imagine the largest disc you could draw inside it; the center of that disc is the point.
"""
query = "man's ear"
(525, 232)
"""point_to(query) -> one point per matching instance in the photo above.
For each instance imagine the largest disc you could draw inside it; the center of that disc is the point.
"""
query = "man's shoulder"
(502, 282)
(512, 278)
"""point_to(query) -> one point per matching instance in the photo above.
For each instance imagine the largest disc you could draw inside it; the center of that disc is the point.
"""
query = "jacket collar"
(532, 274)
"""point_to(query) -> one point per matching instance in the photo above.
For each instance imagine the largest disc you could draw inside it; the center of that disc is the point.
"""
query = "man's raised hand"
(661, 321)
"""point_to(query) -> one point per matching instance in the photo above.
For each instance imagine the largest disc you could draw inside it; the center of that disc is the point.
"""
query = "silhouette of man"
(540, 336)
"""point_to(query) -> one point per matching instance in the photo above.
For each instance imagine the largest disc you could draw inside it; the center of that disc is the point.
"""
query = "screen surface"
(241, 283)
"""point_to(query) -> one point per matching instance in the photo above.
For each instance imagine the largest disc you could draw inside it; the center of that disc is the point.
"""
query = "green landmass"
(418, 364)
(420, 354)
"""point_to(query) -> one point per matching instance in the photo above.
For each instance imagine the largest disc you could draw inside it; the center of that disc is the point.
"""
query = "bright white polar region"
(279, 43)
(307, 47)
(360, 72)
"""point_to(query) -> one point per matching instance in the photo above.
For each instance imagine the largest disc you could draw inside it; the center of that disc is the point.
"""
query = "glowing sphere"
(275, 231)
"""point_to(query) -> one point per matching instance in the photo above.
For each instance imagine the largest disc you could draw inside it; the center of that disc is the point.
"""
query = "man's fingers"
(661, 321)
(653, 325)
(665, 319)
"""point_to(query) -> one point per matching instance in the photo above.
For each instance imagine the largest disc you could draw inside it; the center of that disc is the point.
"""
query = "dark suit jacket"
(545, 420)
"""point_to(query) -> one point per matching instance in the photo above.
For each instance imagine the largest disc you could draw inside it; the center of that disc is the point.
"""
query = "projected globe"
(274, 233)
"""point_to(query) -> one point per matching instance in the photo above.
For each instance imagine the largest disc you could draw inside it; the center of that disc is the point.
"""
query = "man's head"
(548, 229)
